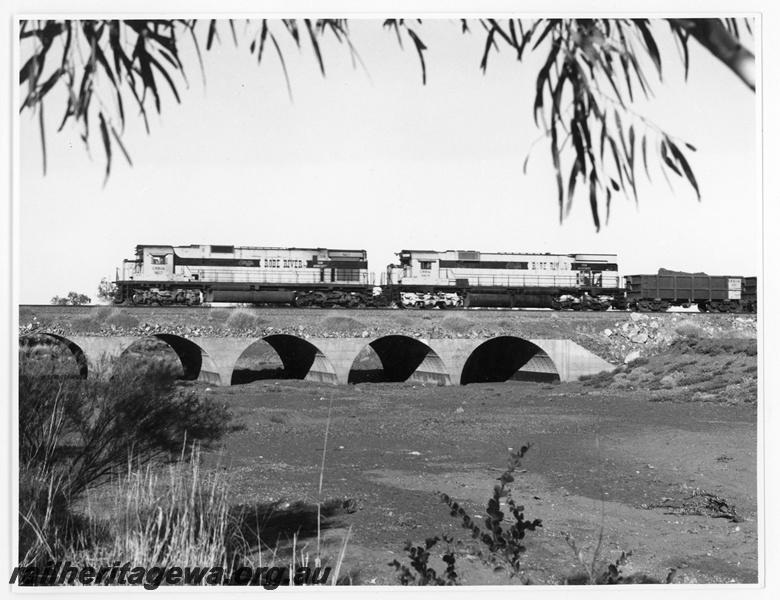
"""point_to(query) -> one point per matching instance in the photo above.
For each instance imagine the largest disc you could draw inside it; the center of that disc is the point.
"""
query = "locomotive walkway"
(439, 347)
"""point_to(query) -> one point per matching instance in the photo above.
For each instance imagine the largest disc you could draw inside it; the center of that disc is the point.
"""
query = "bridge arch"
(78, 353)
(190, 355)
(399, 358)
(508, 357)
(285, 357)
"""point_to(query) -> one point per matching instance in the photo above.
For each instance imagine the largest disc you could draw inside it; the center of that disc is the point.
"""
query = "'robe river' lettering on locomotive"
(273, 263)
(282, 263)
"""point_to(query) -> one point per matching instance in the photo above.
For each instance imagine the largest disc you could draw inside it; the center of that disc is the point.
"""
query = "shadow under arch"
(283, 356)
(399, 358)
(508, 357)
(190, 354)
(76, 350)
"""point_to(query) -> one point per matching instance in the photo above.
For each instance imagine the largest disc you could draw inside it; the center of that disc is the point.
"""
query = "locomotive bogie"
(430, 300)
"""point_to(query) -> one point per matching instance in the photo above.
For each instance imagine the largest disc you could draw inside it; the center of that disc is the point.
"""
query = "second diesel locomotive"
(322, 277)
(506, 280)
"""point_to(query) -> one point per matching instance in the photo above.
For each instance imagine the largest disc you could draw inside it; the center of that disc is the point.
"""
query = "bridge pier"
(97, 351)
(341, 354)
(219, 356)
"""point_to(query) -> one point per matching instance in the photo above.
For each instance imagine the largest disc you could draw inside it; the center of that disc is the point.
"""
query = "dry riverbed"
(618, 463)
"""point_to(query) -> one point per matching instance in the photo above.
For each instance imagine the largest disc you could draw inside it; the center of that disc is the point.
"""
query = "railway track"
(178, 309)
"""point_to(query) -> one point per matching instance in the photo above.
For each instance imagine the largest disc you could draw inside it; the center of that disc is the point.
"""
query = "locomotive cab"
(157, 263)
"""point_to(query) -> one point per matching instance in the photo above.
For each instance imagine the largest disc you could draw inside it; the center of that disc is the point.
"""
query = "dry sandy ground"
(600, 459)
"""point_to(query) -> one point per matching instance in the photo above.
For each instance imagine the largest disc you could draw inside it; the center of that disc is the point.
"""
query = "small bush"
(243, 319)
(457, 324)
(690, 331)
(599, 380)
(102, 313)
(219, 314)
(423, 574)
(341, 324)
(717, 346)
(664, 396)
(86, 325)
(120, 318)
(502, 539)
(75, 433)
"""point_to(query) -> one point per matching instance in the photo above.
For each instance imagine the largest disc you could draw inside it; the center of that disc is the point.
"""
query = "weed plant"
(502, 540)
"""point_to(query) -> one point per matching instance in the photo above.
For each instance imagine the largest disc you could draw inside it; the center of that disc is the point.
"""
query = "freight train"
(323, 277)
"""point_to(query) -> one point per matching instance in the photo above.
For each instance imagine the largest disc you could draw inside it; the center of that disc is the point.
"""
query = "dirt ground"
(604, 462)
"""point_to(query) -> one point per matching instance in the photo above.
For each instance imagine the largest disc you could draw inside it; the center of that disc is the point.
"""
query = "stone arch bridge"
(403, 358)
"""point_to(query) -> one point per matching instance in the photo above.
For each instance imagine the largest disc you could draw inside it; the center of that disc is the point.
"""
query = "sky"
(369, 158)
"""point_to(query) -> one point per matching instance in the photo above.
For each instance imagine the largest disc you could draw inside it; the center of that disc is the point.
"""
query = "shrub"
(219, 314)
(243, 319)
(76, 433)
(502, 539)
(120, 318)
(457, 324)
(423, 574)
(101, 313)
(690, 331)
(86, 325)
(599, 380)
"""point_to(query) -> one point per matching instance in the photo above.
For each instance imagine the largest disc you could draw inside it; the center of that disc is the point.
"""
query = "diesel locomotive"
(323, 277)
(206, 273)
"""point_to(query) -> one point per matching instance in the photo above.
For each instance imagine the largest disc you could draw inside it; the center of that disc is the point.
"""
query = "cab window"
(159, 259)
